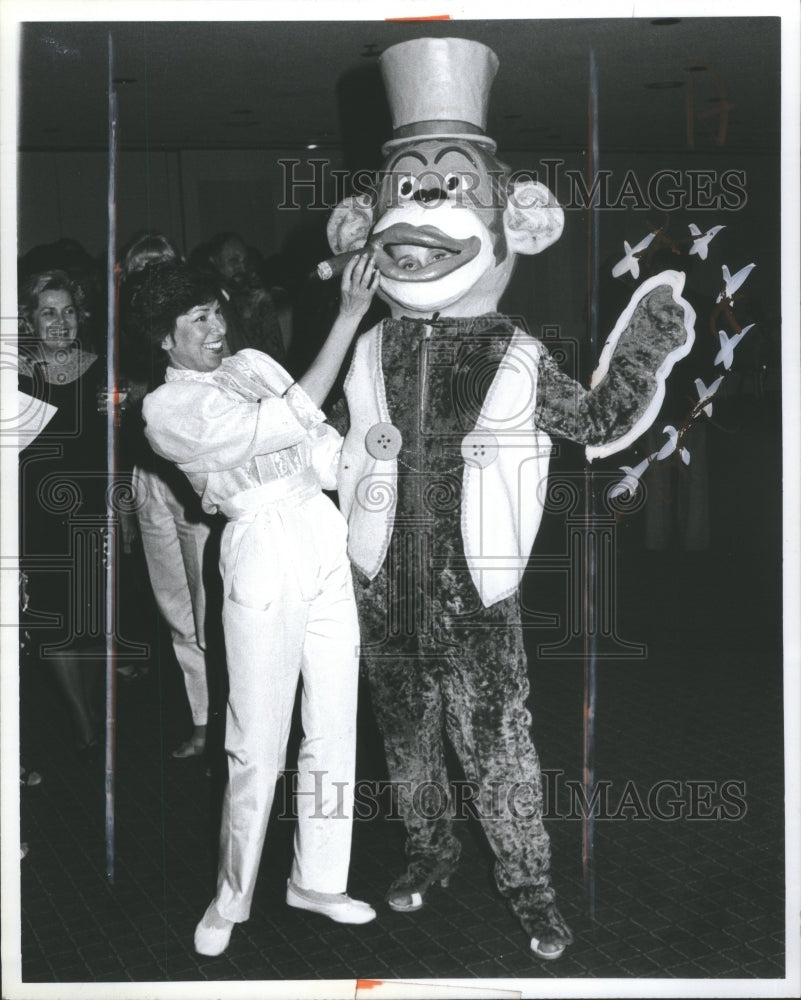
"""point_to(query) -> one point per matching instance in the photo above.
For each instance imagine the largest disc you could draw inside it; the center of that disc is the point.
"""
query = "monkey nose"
(426, 195)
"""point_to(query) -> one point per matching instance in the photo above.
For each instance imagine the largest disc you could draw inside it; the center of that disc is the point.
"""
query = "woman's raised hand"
(359, 283)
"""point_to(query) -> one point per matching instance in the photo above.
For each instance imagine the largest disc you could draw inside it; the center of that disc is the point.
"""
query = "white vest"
(502, 502)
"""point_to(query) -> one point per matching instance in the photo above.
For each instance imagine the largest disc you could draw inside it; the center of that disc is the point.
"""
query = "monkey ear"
(350, 224)
(533, 218)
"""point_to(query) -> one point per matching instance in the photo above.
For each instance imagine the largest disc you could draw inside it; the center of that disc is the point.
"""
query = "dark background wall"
(186, 186)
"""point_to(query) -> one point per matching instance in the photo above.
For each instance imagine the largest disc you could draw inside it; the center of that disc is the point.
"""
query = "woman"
(62, 505)
(255, 447)
(173, 528)
(250, 313)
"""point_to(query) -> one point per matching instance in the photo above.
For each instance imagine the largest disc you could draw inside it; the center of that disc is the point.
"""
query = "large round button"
(479, 448)
(383, 441)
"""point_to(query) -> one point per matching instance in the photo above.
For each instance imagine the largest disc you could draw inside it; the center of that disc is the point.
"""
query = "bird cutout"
(701, 241)
(670, 445)
(630, 483)
(725, 355)
(731, 283)
(631, 261)
(707, 392)
(660, 239)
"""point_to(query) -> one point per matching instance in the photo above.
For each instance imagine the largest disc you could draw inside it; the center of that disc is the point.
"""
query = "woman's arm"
(359, 282)
(203, 429)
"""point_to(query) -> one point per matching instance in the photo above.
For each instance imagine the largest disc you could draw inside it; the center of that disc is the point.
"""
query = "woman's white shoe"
(213, 933)
(335, 906)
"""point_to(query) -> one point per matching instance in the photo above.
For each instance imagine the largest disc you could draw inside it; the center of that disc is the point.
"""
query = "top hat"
(438, 88)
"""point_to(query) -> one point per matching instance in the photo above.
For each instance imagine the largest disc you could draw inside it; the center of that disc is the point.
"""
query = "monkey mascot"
(450, 412)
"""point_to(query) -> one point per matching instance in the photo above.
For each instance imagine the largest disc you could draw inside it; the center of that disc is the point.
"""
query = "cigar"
(334, 266)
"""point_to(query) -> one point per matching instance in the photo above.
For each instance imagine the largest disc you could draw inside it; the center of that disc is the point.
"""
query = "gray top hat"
(438, 88)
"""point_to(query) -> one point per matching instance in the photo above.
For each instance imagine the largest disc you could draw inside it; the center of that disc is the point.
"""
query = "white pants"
(173, 545)
(288, 613)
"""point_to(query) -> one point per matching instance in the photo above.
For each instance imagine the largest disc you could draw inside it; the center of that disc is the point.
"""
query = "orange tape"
(411, 20)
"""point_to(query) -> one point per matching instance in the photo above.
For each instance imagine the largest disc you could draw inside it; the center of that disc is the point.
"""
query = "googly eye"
(406, 187)
(453, 182)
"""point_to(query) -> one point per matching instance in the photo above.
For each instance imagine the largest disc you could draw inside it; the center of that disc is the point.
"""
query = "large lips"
(459, 252)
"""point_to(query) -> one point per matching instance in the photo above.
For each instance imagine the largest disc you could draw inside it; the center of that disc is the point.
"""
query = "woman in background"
(62, 500)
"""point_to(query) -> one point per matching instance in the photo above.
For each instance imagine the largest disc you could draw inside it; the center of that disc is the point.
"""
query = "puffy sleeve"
(628, 386)
(202, 428)
(326, 446)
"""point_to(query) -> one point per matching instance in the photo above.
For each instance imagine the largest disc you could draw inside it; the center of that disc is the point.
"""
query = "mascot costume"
(451, 410)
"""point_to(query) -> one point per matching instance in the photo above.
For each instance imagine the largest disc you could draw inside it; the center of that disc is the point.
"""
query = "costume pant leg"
(327, 753)
(173, 549)
(407, 701)
(485, 691)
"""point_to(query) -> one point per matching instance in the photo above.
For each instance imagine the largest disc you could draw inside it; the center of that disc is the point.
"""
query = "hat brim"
(482, 140)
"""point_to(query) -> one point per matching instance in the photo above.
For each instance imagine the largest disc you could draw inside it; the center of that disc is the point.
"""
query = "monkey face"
(438, 220)
(442, 228)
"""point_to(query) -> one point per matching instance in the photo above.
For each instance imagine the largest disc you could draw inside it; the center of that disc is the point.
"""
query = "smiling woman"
(198, 340)
(55, 320)
(174, 316)
(61, 473)
(255, 447)
(51, 312)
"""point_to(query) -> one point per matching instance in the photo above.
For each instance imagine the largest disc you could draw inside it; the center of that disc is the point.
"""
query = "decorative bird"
(630, 261)
(732, 282)
(669, 446)
(725, 355)
(701, 242)
(630, 483)
(707, 392)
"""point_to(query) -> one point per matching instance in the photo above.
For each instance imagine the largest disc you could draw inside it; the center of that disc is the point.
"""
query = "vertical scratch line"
(591, 537)
(111, 459)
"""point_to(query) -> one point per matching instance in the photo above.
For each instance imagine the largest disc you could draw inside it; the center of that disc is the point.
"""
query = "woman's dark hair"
(48, 281)
(153, 299)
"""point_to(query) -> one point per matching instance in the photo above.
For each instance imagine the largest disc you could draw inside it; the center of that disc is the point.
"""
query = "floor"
(686, 880)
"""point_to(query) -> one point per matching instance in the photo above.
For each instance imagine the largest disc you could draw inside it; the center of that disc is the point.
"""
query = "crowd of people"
(227, 456)
(63, 364)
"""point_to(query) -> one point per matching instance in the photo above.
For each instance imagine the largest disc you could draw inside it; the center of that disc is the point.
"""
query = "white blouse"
(238, 427)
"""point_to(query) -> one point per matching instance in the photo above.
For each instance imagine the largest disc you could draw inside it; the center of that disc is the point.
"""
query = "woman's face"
(55, 320)
(198, 338)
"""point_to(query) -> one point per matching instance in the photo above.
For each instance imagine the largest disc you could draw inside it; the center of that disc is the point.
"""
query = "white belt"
(286, 490)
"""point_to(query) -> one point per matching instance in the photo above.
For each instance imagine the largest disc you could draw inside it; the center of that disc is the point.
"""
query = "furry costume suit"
(439, 552)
